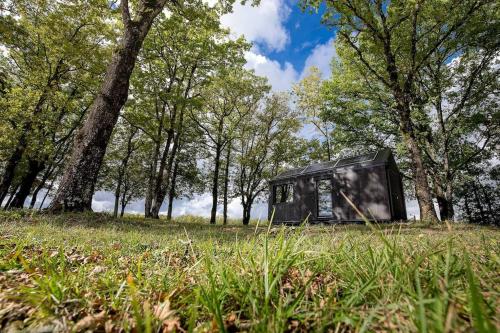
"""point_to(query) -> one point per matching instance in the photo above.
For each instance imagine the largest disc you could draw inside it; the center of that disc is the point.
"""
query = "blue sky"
(306, 32)
(286, 40)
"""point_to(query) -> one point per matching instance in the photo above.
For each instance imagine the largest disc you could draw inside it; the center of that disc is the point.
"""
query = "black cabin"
(371, 181)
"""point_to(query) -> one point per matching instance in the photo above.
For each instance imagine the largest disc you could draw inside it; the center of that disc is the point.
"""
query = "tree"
(263, 147)
(77, 185)
(458, 127)
(390, 43)
(178, 59)
(186, 176)
(123, 168)
(52, 75)
(227, 102)
(477, 194)
(308, 95)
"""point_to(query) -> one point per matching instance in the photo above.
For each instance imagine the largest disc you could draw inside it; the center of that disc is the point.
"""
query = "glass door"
(325, 205)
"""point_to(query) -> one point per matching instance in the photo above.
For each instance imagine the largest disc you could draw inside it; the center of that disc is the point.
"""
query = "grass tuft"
(91, 272)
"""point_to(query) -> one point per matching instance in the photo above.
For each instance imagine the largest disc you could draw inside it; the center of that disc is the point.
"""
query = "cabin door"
(324, 199)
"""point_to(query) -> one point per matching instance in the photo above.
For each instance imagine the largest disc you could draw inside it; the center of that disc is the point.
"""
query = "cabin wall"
(284, 211)
(375, 190)
(306, 198)
(366, 188)
(397, 193)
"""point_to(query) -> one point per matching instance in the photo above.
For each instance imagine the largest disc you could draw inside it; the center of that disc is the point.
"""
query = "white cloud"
(263, 24)
(280, 77)
(321, 57)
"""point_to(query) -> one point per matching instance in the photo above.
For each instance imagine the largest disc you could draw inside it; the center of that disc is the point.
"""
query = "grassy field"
(89, 272)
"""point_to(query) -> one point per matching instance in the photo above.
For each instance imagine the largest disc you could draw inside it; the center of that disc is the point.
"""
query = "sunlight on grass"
(91, 272)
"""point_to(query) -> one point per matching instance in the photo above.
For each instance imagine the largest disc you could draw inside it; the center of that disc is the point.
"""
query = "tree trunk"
(479, 206)
(215, 183)
(422, 189)
(17, 155)
(12, 193)
(489, 204)
(117, 199)
(78, 182)
(46, 175)
(226, 182)
(449, 200)
(443, 207)
(156, 194)
(148, 202)
(247, 208)
(171, 193)
(34, 168)
(123, 209)
(467, 209)
(10, 167)
(122, 169)
(123, 202)
(164, 186)
(445, 202)
(328, 144)
(46, 194)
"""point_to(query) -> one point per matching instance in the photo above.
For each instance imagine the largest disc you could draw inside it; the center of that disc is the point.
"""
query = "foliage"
(52, 60)
(310, 103)
(419, 77)
(263, 148)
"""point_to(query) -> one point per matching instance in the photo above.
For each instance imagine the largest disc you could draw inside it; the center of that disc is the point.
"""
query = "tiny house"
(372, 182)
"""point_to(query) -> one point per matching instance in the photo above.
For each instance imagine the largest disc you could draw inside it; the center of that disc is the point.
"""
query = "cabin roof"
(364, 160)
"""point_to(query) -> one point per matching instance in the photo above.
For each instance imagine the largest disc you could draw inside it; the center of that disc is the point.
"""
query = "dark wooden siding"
(367, 189)
(376, 190)
(397, 194)
(306, 200)
(345, 181)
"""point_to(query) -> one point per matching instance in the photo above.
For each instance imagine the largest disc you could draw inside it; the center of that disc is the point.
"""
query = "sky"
(286, 42)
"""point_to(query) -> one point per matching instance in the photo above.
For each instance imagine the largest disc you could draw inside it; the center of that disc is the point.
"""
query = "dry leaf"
(98, 270)
(108, 326)
(89, 321)
(162, 311)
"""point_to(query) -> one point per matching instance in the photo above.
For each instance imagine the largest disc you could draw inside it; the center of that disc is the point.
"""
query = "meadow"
(90, 272)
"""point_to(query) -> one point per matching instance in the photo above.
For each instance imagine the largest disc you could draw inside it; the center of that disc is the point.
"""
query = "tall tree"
(226, 104)
(179, 57)
(77, 185)
(264, 146)
(308, 96)
(47, 56)
(121, 163)
(458, 126)
(392, 42)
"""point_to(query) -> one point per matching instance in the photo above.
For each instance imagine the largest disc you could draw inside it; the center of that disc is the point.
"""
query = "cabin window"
(283, 193)
(325, 208)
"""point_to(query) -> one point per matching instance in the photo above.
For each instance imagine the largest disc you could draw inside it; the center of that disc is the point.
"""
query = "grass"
(90, 272)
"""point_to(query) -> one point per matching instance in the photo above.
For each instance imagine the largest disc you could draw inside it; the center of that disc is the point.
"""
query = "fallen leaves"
(169, 322)
(90, 322)
(97, 270)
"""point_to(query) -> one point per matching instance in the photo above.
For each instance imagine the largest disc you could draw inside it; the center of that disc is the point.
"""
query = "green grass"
(90, 272)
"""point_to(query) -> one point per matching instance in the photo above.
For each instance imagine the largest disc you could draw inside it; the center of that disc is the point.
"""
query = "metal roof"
(373, 158)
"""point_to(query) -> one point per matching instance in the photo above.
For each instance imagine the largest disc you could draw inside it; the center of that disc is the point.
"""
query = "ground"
(90, 272)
